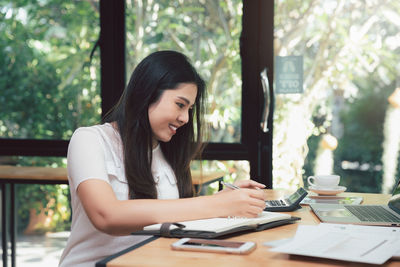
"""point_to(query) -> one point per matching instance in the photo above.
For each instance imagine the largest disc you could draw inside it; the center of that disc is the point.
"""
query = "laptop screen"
(394, 202)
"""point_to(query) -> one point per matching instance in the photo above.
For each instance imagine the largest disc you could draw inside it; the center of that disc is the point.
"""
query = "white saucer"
(327, 191)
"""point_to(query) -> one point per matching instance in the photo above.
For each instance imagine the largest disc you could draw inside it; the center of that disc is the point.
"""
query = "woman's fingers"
(249, 184)
(252, 201)
(256, 184)
(259, 194)
(243, 202)
(253, 211)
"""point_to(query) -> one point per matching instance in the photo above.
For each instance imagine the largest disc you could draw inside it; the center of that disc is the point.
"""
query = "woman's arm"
(116, 217)
(110, 215)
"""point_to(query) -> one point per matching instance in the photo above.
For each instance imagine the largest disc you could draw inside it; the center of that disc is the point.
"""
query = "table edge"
(103, 262)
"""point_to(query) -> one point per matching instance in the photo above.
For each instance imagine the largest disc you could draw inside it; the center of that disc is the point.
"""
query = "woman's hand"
(245, 184)
(242, 202)
(249, 184)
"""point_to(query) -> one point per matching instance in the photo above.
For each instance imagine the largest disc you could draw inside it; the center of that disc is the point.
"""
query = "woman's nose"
(183, 117)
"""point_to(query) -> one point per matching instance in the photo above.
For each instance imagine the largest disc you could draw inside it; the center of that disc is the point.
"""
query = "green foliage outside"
(361, 142)
(351, 65)
(39, 196)
(48, 88)
(363, 138)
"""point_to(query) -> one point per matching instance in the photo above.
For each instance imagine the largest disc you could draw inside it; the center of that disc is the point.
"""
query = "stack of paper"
(367, 244)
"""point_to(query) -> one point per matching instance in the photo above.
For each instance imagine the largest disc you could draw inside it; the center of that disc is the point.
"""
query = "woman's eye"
(180, 105)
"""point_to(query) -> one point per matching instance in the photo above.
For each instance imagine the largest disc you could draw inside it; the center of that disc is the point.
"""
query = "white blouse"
(96, 153)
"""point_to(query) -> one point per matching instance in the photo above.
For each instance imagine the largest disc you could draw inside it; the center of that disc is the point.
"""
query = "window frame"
(256, 50)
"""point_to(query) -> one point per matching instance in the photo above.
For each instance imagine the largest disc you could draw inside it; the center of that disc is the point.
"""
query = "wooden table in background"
(47, 175)
(41, 175)
(201, 179)
(11, 175)
(158, 252)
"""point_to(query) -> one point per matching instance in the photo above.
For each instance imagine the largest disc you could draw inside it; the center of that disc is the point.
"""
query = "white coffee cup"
(324, 181)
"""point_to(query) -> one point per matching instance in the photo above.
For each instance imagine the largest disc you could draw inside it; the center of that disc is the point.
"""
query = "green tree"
(47, 86)
(361, 143)
(343, 42)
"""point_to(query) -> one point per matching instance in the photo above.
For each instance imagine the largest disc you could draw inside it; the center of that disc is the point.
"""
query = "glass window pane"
(48, 85)
(43, 225)
(208, 33)
(43, 212)
(230, 170)
(346, 119)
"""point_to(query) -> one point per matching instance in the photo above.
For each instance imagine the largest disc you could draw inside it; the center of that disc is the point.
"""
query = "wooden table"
(11, 175)
(41, 175)
(201, 179)
(158, 252)
(47, 175)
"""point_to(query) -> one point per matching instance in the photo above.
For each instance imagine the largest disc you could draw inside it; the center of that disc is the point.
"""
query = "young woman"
(134, 169)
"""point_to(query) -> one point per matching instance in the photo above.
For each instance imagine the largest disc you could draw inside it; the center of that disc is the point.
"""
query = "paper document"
(367, 244)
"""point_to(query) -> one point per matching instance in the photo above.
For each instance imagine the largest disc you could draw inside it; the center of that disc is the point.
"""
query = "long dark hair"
(160, 71)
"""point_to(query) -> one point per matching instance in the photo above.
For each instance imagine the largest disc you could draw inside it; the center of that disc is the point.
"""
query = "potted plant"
(42, 208)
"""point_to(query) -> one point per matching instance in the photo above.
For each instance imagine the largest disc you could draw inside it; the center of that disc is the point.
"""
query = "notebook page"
(215, 225)
(223, 224)
(268, 216)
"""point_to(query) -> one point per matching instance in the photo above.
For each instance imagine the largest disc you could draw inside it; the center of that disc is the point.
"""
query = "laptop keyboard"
(372, 214)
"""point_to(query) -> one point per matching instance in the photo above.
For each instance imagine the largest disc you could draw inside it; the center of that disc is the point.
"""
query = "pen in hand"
(234, 187)
(231, 186)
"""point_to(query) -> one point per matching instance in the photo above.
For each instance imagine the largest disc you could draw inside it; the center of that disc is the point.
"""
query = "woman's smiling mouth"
(173, 128)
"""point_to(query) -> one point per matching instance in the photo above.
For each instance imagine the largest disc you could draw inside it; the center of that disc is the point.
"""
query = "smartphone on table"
(214, 245)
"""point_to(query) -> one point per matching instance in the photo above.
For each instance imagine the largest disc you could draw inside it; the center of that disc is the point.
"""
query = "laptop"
(385, 215)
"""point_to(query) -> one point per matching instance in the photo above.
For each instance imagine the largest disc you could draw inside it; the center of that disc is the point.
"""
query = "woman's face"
(171, 111)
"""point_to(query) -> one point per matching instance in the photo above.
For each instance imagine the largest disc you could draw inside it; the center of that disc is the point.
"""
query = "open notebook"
(216, 227)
